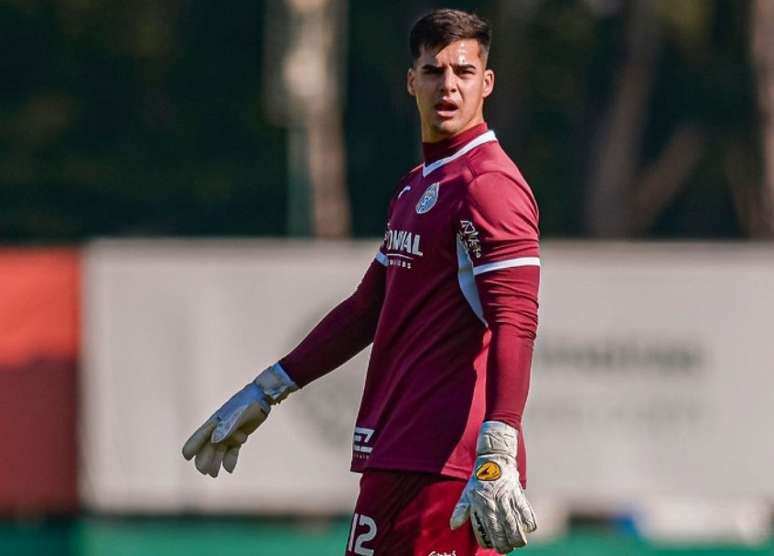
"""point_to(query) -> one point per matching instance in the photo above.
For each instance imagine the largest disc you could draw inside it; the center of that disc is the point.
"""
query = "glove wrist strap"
(496, 437)
(275, 383)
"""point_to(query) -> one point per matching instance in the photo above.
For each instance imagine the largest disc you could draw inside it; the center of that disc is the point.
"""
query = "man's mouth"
(445, 108)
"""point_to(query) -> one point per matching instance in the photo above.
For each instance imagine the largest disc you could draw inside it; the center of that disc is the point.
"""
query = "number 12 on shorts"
(358, 537)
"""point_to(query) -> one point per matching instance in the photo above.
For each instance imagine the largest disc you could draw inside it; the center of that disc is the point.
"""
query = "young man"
(450, 305)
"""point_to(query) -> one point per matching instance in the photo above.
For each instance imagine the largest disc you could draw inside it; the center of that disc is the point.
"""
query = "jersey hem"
(453, 471)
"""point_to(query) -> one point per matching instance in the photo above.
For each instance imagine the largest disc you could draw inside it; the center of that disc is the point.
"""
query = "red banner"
(39, 344)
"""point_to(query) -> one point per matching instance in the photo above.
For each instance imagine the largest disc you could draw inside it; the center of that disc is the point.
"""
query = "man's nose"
(449, 81)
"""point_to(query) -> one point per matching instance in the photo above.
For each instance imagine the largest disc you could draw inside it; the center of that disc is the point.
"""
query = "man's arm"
(344, 332)
(498, 227)
(509, 300)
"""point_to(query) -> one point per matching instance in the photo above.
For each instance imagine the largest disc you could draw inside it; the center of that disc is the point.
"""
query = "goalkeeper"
(450, 306)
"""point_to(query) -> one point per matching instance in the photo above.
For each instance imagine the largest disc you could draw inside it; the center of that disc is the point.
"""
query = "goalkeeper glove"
(219, 439)
(493, 499)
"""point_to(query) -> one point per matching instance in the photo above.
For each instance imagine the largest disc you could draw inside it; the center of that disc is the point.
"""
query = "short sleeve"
(498, 224)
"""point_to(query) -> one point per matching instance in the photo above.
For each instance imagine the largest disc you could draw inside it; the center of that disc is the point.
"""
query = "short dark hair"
(443, 26)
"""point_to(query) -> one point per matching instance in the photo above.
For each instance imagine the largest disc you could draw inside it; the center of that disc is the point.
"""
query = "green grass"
(99, 536)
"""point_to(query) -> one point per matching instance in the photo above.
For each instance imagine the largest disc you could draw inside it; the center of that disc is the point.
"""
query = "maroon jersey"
(450, 304)
(461, 216)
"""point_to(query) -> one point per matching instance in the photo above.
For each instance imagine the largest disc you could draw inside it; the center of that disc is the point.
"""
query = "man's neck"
(445, 147)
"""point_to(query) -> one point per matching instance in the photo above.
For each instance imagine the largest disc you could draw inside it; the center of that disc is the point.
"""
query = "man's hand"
(218, 440)
(493, 500)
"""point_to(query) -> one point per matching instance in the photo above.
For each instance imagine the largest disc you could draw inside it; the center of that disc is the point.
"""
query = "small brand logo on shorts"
(429, 198)
(436, 553)
(488, 471)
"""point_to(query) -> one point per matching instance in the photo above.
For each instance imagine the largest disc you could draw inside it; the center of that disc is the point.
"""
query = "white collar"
(483, 138)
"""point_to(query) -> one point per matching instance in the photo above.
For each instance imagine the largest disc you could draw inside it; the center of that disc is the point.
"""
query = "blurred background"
(187, 187)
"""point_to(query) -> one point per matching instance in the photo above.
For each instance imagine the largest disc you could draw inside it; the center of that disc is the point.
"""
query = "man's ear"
(410, 81)
(489, 79)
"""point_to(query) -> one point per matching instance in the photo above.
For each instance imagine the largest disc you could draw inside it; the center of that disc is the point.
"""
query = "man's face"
(450, 86)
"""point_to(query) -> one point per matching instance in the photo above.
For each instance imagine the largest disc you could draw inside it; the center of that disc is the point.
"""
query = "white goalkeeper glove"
(493, 499)
(218, 440)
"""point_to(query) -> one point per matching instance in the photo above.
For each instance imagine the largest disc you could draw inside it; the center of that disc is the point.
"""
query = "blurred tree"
(758, 202)
(135, 119)
(629, 119)
(304, 61)
(625, 110)
(623, 199)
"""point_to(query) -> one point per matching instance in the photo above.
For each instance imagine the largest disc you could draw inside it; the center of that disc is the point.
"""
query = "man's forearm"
(509, 302)
(345, 331)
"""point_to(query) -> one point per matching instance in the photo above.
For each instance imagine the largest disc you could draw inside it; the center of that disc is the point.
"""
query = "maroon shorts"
(400, 513)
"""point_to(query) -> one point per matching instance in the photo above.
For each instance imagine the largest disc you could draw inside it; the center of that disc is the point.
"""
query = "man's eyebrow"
(455, 66)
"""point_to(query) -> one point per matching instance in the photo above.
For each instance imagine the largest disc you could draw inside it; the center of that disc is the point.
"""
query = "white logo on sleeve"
(429, 198)
(361, 441)
(469, 237)
(402, 191)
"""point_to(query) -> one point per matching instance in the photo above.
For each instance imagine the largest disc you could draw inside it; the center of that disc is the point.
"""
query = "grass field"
(145, 536)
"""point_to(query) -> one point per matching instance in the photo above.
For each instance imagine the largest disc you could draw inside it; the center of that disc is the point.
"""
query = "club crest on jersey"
(429, 198)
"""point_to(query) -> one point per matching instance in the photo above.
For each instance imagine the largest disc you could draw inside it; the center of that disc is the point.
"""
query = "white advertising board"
(653, 373)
